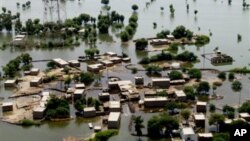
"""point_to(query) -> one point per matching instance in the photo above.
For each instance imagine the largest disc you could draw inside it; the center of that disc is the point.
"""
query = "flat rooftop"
(114, 104)
(188, 131)
(201, 103)
(180, 93)
(88, 109)
(199, 117)
(114, 116)
(156, 99)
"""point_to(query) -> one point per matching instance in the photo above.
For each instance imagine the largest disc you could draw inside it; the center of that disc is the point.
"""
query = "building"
(245, 116)
(74, 63)
(78, 94)
(60, 62)
(170, 37)
(114, 120)
(114, 106)
(159, 42)
(155, 102)
(175, 65)
(199, 120)
(115, 60)
(34, 71)
(188, 134)
(35, 82)
(80, 86)
(139, 80)
(205, 137)
(104, 96)
(126, 59)
(97, 128)
(161, 82)
(89, 112)
(107, 63)
(180, 95)
(10, 83)
(7, 106)
(112, 54)
(95, 67)
(38, 112)
(201, 107)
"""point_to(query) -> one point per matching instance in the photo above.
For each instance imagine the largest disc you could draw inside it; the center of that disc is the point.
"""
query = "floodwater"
(224, 21)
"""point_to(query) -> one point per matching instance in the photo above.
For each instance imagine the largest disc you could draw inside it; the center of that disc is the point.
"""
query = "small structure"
(199, 120)
(89, 112)
(78, 94)
(170, 37)
(97, 128)
(180, 95)
(60, 62)
(95, 67)
(201, 107)
(126, 59)
(7, 106)
(19, 40)
(205, 137)
(114, 106)
(10, 83)
(38, 112)
(115, 60)
(175, 65)
(155, 102)
(80, 86)
(34, 71)
(35, 82)
(245, 116)
(139, 80)
(188, 134)
(74, 63)
(161, 82)
(114, 120)
(111, 54)
(159, 42)
(105, 96)
(107, 63)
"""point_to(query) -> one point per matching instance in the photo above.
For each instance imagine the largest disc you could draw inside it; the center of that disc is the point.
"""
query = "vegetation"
(222, 75)
(141, 44)
(22, 62)
(171, 8)
(130, 29)
(217, 119)
(212, 108)
(185, 114)
(221, 137)
(175, 75)
(57, 108)
(138, 122)
(91, 52)
(163, 34)
(245, 107)
(153, 70)
(190, 92)
(243, 70)
(202, 40)
(135, 7)
(90, 102)
(228, 111)
(203, 87)
(173, 47)
(104, 135)
(237, 86)
(182, 32)
(231, 76)
(27, 122)
(195, 73)
(86, 78)
(157, 124)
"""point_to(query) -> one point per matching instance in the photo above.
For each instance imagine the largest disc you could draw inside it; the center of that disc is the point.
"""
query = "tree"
(106, 2)
(171, 8)
(236, 87)
(135, 7)
(141, 44)
(124, 36)
(190, 92)
(185, 114)
(51, 64)
(195, 73)
(217, 119)
(231, 76)
(175, 75)
(67, 81)
(195, 12)
(228, 111)
(138, 122)
(86, 78)
(245, 107)
(203, 87)
(222, 75)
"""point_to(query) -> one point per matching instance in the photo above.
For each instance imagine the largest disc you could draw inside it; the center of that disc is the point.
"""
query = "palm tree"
(237, 86)
(138, 125)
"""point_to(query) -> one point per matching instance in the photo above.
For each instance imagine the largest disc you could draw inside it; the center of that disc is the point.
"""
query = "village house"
(10, 83)
(7, 106)
(201, 107)
(111, 54)
(170, 37)
(199, 120)
(180, 95)
(205, 137)
(97, 128)
(188, 134)
(115, 60)
(74, 63)
(114, 120)
(107, 63)
(78, 94)
(114, 106)
(245, 116)
(34, 71)
(38, 112)
(139, 80)
(175, 65)
(161, 82)
(36, 81)
(104, 96)
(80, 86)
(155, 102)
(89, 112)
(95, 67)
(60, 62)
